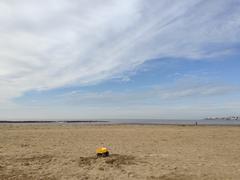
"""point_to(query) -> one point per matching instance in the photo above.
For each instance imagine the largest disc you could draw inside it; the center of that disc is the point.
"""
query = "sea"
(177, 122)
(134, 121)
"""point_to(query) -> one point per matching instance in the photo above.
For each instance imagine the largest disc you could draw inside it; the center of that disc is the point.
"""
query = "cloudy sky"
(81, 59)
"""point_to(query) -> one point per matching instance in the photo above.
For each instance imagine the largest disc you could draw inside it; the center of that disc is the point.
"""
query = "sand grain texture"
(149, 152)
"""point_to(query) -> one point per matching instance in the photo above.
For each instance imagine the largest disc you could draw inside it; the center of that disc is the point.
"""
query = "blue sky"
(119, 60)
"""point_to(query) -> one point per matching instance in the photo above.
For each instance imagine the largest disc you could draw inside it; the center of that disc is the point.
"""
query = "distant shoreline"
(42, 122)
(112, 123)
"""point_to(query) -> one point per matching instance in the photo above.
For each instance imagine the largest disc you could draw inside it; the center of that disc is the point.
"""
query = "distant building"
(224, 118)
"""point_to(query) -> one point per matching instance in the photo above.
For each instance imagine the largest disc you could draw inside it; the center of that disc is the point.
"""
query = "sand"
(137, 152)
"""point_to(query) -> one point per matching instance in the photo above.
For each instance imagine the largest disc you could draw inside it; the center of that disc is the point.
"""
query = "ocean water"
(134, 121)
(176, 122)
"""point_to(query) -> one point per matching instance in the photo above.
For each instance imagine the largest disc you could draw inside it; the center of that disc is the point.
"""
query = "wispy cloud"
(56, 43)
(187, 89)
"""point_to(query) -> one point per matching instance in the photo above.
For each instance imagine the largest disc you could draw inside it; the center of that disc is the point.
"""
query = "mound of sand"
(112, 161)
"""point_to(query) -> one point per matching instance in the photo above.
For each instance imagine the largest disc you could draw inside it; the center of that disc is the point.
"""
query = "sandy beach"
(137, 152)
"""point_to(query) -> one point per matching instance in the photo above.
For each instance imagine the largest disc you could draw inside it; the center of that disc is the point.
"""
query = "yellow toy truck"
(102, 152)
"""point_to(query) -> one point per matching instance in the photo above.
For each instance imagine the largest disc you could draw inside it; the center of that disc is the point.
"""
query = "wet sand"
(137, 152)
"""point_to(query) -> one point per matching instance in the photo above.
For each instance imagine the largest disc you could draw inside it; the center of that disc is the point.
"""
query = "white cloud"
(54, 43)
(187, 90)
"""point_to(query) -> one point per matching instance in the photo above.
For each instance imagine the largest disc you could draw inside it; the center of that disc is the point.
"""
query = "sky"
(128, 59)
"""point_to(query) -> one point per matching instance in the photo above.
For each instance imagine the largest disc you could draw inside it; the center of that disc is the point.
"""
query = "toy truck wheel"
(99, 155)
(105, 154)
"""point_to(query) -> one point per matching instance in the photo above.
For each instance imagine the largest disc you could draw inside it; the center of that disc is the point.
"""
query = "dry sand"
(138, 152)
